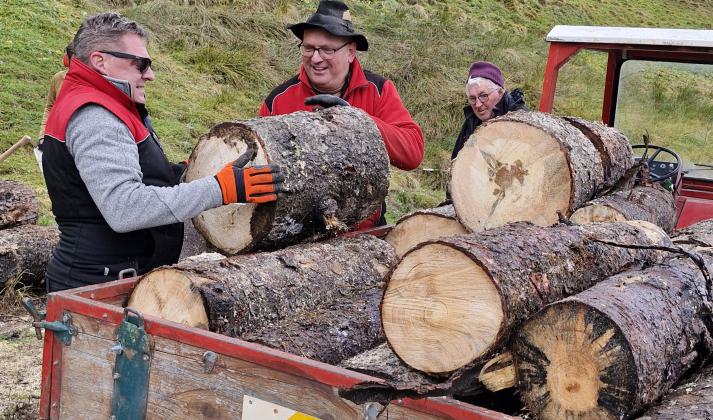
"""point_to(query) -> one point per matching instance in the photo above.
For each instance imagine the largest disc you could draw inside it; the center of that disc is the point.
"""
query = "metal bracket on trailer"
(63, 330)
(131, 369)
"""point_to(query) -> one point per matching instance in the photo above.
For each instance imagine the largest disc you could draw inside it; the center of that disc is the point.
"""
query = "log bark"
(18, 205)
(692, 399)
(336, 169)
(246, 293)
(650, 203)
(336, 330)
(528, 166)
(24, 253)
(451, 303)
(697, 235)
(610, 351)
(424, 225)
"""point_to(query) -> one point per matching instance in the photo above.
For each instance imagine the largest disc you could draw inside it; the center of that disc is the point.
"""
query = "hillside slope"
(217, 59)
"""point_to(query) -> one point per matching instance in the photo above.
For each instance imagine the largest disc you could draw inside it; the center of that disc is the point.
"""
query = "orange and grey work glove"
(252, 184)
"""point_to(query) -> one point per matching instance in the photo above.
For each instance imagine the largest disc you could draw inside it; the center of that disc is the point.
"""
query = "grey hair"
(478, 81)
(102, 31)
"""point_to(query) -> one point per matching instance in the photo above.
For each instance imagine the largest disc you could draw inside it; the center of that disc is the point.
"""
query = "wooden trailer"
(104, 361)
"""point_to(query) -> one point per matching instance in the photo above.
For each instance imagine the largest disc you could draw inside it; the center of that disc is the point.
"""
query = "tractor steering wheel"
(661, 171)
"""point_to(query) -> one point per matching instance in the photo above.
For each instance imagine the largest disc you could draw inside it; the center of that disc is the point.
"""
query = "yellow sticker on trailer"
(257, 409)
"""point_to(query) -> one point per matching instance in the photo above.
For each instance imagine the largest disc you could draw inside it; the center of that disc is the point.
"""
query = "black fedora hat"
(332, 16)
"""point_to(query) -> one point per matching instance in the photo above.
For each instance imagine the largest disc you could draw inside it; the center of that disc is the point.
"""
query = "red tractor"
(692, 183)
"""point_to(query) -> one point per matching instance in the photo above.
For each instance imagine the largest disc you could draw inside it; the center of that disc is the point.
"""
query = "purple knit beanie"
(488, 71)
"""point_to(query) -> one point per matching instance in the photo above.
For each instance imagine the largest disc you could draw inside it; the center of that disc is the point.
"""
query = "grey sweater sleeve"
(108, 162)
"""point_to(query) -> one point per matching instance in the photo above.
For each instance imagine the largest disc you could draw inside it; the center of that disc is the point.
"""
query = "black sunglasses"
(142, 63)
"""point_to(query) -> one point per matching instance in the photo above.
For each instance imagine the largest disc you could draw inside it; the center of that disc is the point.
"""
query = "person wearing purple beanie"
(487, 98)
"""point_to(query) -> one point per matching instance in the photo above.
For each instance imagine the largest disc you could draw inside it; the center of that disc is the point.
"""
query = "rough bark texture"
(698, 234)
(336, 169)
(18, 205)
(424, 225)
(650, 203)
(530, 266)
(693, 399)
(617, 347)
(25, 251)
(339, 328)
(613, 147)
(247, 293)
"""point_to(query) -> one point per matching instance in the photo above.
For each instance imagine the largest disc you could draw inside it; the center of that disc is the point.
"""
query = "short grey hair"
(479, 81)
(102, 31)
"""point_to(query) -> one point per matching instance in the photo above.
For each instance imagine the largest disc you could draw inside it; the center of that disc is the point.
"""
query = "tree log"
(340, 328)
(610, 351)
(692, 399)
(650, 203)
(245, 293)
(24, 253)
(336, 169)
(18, 205)
(528, 166)
(424, 225)
(698, 234)
(450, 303)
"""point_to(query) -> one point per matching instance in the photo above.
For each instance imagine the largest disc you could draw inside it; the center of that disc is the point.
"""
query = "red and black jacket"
(375, 95)
(89, 251)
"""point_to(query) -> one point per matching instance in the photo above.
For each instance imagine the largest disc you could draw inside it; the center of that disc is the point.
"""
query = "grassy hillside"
(217, 59)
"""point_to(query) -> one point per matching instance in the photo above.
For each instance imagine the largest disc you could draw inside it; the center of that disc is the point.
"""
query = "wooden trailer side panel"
(180, 387)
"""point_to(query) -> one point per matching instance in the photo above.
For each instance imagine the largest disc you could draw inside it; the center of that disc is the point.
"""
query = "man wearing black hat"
(331, 75)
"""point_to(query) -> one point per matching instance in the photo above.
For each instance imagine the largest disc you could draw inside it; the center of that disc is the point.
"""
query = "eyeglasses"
(326, 53)
(142, 63)
(482, 97)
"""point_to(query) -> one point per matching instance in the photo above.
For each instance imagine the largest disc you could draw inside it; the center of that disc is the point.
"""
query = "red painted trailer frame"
(100, 307)
(694, 195)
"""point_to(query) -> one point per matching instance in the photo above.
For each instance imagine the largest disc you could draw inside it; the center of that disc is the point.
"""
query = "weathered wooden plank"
(180, 388)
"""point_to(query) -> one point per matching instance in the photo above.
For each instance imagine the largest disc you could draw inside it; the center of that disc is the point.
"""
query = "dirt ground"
(20, 366)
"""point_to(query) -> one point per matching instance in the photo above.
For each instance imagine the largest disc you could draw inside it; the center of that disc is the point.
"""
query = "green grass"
(217, 59)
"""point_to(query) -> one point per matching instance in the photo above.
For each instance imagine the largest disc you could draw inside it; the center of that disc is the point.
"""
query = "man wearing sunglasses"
(487, 98)
(116, 198)
(331, 75)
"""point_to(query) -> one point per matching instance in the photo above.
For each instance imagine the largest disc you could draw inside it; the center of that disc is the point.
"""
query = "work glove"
(325, 101)
(252, 184)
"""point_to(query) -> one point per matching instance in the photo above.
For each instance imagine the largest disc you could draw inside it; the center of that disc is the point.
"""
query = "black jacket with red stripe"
(89, 251)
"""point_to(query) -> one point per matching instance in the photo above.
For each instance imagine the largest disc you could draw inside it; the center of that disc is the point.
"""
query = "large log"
(610, 351)
(424, 225)
(692, 399)
(337, 329)
(530, 166)
(452, 302)
(18, 204)
(24, 253)
(336, 168)
(650, 203)
(245, 293)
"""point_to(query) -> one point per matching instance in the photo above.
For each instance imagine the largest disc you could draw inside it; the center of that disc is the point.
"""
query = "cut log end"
(172, 295)
(511, 166)
(450, 307)
(421, 228)
(230, 228)
(574, 363)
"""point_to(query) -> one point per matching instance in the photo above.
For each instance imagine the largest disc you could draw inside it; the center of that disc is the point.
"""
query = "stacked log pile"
(25, 248)
(595, 316)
